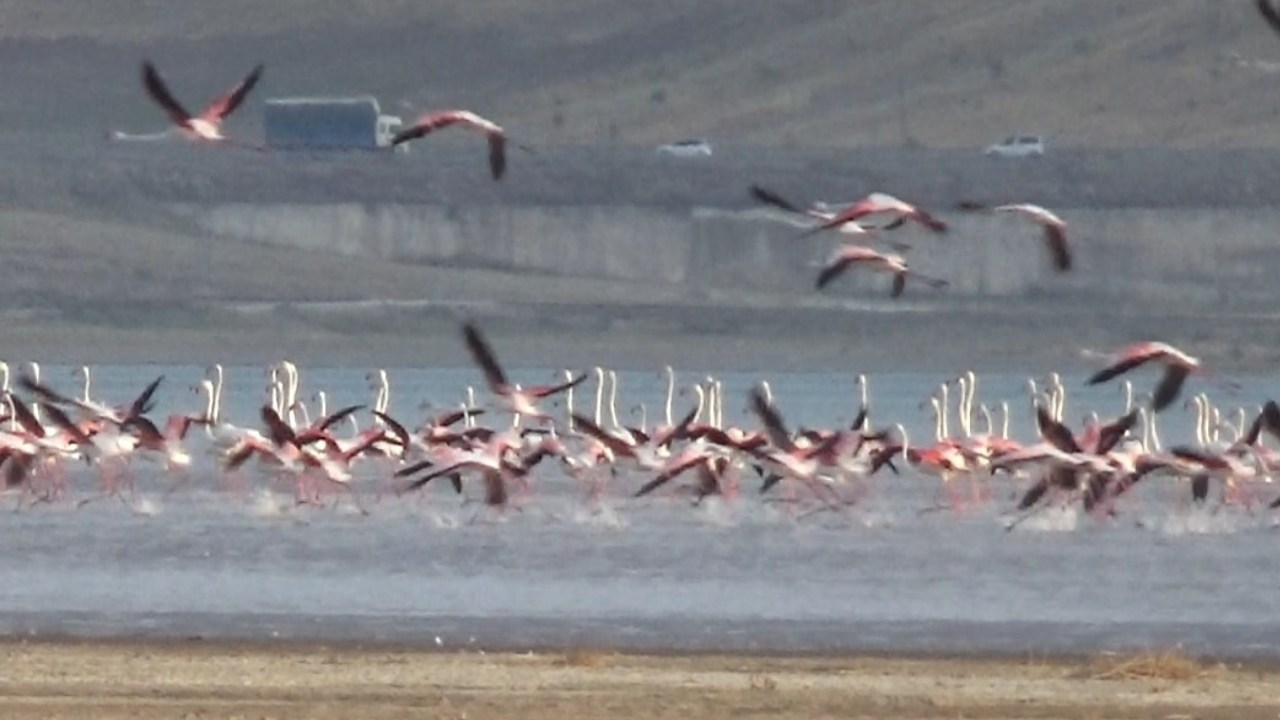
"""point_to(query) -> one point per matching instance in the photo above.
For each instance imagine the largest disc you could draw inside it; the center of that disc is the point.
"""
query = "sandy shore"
(118, 679)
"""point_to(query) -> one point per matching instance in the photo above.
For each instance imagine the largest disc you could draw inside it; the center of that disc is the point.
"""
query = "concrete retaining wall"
(1198, 258)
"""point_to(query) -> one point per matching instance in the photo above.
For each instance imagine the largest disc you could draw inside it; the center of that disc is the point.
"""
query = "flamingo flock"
(533, 434)
(499, 446)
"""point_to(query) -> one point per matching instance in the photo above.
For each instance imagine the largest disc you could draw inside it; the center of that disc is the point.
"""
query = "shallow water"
(210, 560)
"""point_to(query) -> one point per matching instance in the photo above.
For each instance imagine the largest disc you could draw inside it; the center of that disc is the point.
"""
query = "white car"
(686, 148)
(1017, 146)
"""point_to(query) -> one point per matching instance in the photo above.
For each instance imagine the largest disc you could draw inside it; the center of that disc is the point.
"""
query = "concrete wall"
(1188, 258)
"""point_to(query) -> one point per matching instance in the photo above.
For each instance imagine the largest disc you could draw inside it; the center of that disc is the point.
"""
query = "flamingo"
(849, 255)
(1055, 228)
(117, 415)
(490, 460)
(876, 204)
(518, 401)
(1177, 366)
(207, 125)
(436, 120)
(166, 445)
(820, 213)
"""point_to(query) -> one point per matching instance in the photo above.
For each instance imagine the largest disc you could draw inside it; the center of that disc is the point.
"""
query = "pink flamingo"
(436, 120)
(208, 124)
(520, 401)
(878, 204)
(1177, 366)
(850, 255)
(1055, 228)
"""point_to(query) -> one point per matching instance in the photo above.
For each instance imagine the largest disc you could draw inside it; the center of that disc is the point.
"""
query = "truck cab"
(388, 126)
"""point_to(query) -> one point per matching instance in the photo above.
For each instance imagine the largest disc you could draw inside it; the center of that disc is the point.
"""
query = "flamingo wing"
(1125, 365)
(769, 197)
(1271, 415)
(333, 418)
(147, 431)
(497, 155)
(278, 430)
(541, 391)
(455, 416)
(44, 392)
(25, 417)
(1170, 385)
(1055, 237)
(1034, 493)
(1200, 457)
(240, 456)
(1112, 433)
(433, 121)
(616, 444)
(774, 427)
(1057, 434)
(397, 429)
(928, 220)
(668, 474)
(849, 214)
(143, 404)
(156, 88)
(1269, 14)
(414, 468)
(679, 431)
(899, 284)
(227, 103)
(833, 270)
(60, 419)
(178, 425)
(452, 470)
(483, 356)
(428, 123)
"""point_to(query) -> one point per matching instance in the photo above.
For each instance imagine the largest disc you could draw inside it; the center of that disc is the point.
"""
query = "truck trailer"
(327, 123)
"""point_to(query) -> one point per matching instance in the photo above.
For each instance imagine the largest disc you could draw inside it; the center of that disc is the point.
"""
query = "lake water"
(653, 573)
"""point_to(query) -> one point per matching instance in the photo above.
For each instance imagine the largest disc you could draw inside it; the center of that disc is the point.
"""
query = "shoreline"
(118, 677)
(424, 647)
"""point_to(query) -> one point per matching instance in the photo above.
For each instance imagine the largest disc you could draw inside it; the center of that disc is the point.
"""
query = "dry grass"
(587, 658)
(1171, 664)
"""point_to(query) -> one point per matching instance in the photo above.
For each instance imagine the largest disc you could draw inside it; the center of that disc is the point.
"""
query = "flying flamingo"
(849, 255)
(1177, 366)
(877, 204)
(436, 120)
(821, 213)
(208, 124)
(518, 401)
(1055, 228)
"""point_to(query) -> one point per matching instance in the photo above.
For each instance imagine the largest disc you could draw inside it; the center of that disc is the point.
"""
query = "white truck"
(328, 123)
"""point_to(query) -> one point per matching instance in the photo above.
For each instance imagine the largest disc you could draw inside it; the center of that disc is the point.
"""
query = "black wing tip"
(1269, 14)
(497, 157)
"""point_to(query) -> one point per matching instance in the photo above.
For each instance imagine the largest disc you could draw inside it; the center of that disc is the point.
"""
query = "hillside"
(806, 73)
(1167, 100)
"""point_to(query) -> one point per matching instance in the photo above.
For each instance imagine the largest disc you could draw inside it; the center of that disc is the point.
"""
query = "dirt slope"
(812, 72)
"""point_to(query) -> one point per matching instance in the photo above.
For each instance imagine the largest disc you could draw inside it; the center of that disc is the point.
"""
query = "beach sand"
(200, 679)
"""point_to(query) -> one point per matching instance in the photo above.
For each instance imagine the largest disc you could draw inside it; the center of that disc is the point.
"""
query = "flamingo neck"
(599, 395)
(85, 378)
(671, 391)
(613, 399)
